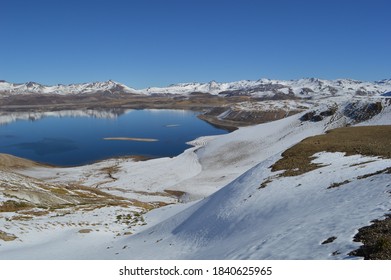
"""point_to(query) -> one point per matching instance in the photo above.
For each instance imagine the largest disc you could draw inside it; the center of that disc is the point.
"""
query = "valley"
(307, 165)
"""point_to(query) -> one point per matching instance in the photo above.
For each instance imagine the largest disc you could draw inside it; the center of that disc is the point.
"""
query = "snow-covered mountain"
(110, 86)
(303, 88)
(266, 87)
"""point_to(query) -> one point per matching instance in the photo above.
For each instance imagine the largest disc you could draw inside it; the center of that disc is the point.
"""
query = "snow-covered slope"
(288, 219)
(303, 88)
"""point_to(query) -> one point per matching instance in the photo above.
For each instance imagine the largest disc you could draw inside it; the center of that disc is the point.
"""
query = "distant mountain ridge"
(110, 86)
(303, 88)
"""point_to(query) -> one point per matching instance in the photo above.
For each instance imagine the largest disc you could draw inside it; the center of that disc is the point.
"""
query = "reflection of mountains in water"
(9, 117)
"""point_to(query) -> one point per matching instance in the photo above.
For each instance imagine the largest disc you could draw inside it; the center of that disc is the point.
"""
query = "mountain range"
(302, 88)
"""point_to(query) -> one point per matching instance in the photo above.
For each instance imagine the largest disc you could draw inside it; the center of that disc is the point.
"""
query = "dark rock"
(329, 240)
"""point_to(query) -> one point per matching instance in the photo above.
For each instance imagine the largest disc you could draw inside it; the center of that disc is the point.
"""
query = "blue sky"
(156, 43)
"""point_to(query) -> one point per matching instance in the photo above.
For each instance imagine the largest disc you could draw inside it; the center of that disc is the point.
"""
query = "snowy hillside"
(265, 215)
(303, 88)
(290, 218)
(235, 202)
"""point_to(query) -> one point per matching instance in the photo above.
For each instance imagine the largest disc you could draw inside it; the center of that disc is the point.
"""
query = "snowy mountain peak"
(384, 81)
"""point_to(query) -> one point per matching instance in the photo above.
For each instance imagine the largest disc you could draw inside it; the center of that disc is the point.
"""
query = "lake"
(76, 137)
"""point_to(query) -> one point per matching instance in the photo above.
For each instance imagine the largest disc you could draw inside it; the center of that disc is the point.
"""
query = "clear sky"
(156, 43)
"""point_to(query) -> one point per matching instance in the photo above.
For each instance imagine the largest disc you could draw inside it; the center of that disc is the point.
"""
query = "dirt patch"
(364, 140)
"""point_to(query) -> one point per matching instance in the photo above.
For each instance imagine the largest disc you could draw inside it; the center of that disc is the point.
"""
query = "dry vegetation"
(177, 194)
(6, 236)
(364, 140)
(13, 206)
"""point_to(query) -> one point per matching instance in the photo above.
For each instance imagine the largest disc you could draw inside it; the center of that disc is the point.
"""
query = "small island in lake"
(131, 139)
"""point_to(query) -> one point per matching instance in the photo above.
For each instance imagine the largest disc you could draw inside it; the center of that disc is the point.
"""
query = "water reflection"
(9, 117)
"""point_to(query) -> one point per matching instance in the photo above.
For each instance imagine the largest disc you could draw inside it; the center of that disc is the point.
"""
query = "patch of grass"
(59, 191)
(21, 218)
(35, 213)
(13, 206)
(130, 219)
(364, 140)
(6, 236)
(87, 230)
(177, 194)
(165, 194)
(376, 239)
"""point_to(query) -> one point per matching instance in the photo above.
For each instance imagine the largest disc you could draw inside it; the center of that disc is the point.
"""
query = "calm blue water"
(74, 140)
